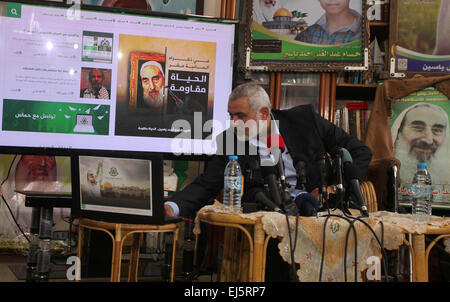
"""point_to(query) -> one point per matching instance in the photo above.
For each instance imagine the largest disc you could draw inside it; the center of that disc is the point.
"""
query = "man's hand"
(168, 211)
(330, 190)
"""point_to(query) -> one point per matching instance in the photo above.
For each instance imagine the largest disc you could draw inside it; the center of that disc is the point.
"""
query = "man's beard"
(95, 87)
(421, 155)
(268, 11)
(256, 128)
(153, 99)
(436, 161)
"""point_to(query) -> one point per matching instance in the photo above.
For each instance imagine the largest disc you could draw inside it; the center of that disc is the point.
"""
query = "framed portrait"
(95, 83)
(420, 131)
(295, 35)
(419, 34)
(137, 91)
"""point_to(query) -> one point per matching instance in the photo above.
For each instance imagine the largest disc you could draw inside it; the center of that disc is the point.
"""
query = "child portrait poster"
(300, 35)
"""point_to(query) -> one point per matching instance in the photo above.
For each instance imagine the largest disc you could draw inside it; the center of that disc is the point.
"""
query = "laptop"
(84, 124)
(120, 187)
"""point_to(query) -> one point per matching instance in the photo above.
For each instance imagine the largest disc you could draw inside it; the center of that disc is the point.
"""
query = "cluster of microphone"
(275, 195)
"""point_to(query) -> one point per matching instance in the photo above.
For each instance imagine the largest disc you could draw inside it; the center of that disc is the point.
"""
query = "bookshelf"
(356, 91)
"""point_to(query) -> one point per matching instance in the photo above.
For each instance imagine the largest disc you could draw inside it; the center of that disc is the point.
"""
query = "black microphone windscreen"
(336, 151)
(306, 197)
(307, 204)
(346, 157)
(266, 170)
(350, 171)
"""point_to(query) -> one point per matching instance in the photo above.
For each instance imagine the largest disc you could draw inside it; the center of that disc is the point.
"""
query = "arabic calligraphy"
(438, 68)
(188, 62)
(321, 54)
(179, 81)
(35, 116)
(405, 191)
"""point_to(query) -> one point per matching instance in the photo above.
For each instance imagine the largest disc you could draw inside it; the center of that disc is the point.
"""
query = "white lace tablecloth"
(309, 239)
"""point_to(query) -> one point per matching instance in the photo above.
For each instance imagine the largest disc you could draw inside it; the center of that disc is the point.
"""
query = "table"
(121, 232)
(259, 227)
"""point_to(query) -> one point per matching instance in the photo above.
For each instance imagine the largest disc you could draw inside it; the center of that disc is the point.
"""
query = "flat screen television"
(108, 79)
(116, 186)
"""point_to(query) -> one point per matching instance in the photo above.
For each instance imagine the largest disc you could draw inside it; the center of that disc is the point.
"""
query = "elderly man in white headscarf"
(420, 134)
(263, 10)
(152, 79)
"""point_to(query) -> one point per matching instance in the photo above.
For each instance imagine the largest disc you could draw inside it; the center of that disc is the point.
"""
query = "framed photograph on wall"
(420, 130)
(419, 36)
(294, 35)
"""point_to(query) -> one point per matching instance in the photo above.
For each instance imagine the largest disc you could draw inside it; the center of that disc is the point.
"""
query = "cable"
(6, 203)
(324, 236)
(292, 250)
(356, 255)
(381, 243)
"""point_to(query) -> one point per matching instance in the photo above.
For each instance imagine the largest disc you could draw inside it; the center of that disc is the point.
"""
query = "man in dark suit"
(305, 133)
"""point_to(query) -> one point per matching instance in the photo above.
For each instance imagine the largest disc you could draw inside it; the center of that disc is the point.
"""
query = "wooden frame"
(413, 36)
(136, 60)
(277, 49)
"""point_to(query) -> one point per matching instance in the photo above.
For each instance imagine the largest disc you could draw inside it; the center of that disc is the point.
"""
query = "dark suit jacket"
(306, 135)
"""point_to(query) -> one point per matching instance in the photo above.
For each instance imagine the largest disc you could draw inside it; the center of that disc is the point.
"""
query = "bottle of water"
(232, 186)
(421, 193)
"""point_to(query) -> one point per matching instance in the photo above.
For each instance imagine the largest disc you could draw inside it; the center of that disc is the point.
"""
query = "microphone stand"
(340, 190)
(323, 196)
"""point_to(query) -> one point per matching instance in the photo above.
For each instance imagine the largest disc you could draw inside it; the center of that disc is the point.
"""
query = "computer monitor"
(152, 82)
(121, 187)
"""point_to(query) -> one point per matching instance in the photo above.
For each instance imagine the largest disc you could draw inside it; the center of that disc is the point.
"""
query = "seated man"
(304, 132)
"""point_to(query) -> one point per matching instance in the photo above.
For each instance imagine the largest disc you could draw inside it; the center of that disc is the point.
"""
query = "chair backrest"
(368, 191)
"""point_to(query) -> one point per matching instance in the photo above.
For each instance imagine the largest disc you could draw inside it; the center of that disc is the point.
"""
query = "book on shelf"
(345, 77)
(353, 118)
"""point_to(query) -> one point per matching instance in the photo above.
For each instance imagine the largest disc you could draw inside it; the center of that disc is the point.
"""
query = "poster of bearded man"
(420, 132)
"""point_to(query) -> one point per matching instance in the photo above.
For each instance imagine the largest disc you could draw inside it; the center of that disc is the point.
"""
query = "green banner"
(292, 50)
(55, 117)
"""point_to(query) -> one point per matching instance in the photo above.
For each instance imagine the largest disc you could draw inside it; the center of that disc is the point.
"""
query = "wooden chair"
(369, 194)
(119, 233)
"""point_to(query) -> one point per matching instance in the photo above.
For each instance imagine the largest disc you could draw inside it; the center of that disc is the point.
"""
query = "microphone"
(336, 153)
(346, 157)
(258, 194)
(350, 172)
(394, 188)
(323, 179)
(276, 143)
(307, 204)
(300, 167)
(270, 178)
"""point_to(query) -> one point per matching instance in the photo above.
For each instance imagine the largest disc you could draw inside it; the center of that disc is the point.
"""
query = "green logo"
(84, 121)
(335, 226)
(14, 10)
(113, 171)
